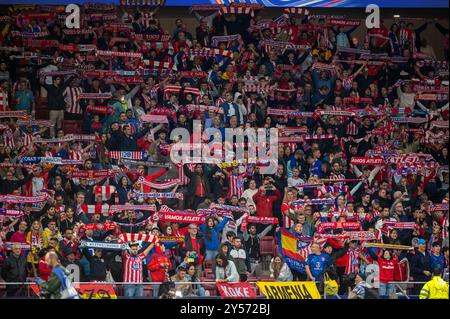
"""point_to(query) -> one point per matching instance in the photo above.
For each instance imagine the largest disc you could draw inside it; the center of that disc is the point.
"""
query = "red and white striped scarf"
(301, 11)
(72, 94)
(210, 52)
(162, 185)
(130, 237)
(105, 191)
(126, 155)
(111, 54)
(237, 10)
(75, 155)
(95, 209)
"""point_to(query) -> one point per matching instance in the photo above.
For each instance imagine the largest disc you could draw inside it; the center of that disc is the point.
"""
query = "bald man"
(58, 285)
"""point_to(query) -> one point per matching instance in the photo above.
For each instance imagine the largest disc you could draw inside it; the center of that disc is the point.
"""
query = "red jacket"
(44, 270)
(156, 270)
(264, 203)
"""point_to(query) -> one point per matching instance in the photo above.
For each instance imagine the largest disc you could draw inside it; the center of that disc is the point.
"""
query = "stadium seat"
(42, 101)
(207, 264)
(209, 274)
(266, 246)
(209, 285)
(265, 278)
(212, 291)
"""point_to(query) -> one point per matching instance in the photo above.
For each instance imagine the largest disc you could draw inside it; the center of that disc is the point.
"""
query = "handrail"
(124, 283)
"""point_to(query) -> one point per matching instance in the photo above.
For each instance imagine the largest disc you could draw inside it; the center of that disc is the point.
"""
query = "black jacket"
(419, 263)
(8, 187)
(15, 269)
(55, 97)
(195, 178)
(128, 143)
(98, 266)
(199, 247)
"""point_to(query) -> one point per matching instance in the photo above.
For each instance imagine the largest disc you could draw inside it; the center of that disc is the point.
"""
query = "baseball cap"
(421, 242)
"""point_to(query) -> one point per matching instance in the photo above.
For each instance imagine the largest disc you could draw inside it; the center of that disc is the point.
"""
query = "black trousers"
(298, 276)
(73, 116)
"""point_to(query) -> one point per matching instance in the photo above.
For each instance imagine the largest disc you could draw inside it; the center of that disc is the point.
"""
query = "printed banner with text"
(289, 290)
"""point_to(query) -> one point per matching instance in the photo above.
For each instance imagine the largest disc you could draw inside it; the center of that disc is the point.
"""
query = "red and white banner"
(177, 217)
(118, 54)
(239, 290)
(344, 22)
(151, 118)
(367, 161)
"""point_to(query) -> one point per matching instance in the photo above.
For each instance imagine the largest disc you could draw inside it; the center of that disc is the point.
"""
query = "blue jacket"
(437, 261)
(225, 106)
(129, 143)
(213, 243)
(316, 168)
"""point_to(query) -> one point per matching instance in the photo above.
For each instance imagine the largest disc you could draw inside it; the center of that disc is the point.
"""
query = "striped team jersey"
(219, 101)
(27, 139)
(352, 129)
(132, 268)
(287, 222)
(146, 18)
(351, 261)
(8, 138)
(235, 185)
(347, 82)
(75, 155)
(4, 104)
(71, 97)
(445, 228)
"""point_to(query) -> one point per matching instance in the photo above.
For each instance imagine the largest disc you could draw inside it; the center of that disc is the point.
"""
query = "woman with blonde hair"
(37, 240)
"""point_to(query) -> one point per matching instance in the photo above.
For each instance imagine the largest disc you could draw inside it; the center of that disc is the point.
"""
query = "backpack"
(370, 293)
(67, 290)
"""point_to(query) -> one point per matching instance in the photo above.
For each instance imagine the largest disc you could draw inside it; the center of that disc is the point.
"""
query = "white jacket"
(228, 272)
(285, 272)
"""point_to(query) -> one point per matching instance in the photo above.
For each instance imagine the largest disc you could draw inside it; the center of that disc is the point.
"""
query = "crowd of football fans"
(334, 98)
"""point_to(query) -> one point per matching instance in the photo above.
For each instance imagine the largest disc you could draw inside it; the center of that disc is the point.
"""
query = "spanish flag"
(294, 249)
